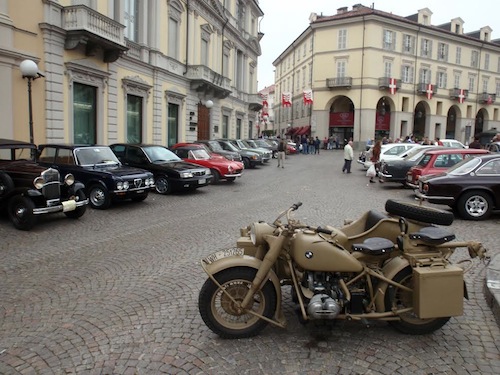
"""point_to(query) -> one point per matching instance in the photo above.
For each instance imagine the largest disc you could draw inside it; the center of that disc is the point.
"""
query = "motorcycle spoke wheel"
(225, 317)
(398, 298)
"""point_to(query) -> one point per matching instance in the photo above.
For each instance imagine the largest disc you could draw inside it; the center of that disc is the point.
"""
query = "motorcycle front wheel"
(397, 298)
(222, 316)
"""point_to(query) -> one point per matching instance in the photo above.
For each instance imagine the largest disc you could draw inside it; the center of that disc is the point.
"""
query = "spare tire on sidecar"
(414, 211)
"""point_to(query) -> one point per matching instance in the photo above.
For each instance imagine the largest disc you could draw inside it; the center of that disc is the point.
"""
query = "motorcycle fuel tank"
(311, 252)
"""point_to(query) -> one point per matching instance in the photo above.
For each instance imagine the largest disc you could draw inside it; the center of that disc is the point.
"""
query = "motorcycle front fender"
(249, 262)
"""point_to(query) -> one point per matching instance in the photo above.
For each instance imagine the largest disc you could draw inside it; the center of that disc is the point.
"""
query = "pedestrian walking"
(348, 156)
(281, 153)
(375, 159)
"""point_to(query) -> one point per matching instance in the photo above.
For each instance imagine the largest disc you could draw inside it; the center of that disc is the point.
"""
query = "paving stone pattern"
(116, 291)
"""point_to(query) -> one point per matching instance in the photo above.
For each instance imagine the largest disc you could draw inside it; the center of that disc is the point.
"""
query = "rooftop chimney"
(342, 10)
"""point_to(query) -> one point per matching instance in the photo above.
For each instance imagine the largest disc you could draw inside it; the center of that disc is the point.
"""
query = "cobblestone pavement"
(116, 292)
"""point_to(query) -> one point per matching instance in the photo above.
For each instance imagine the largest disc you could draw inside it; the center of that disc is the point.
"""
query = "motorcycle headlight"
(258, 231)
(39, 182)
(69, 179)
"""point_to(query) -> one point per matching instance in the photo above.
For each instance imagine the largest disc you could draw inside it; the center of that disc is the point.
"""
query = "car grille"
(199, 173)
(51, 188)
(137, 182)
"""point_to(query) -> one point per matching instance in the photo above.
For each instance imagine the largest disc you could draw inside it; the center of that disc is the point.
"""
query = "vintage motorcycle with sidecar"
(392, 266)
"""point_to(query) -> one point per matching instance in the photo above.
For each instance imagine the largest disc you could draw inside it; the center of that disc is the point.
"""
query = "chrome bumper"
(63, 207)
(432, 198)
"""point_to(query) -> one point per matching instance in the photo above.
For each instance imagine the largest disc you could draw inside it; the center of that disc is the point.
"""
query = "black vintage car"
(471, 187)
(28, 189)
(105, 178)
(170, 172)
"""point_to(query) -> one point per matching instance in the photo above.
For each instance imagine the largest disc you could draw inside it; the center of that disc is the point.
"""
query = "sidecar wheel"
(396, 298)
(416, 212)
(220, 314)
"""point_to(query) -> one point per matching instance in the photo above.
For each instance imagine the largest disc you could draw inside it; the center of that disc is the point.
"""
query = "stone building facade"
(130, 70)
(374, 74)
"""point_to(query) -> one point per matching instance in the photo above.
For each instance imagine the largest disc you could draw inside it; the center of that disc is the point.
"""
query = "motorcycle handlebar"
(323, 230)
(296, 206)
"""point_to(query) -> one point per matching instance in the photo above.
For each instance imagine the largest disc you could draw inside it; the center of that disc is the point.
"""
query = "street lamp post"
(29, 70)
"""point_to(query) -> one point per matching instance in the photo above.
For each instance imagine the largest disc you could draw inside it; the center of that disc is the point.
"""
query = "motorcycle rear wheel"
(397, 298)
(220, 314)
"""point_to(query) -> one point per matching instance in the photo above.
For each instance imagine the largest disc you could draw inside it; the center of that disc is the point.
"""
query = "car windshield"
(251, 143)
(243, 144)
(464, 167)
(95, 156)
(424, 159)
(262, 143)
(160, 154)
(230, 146)
(215, 146)
(199, 154)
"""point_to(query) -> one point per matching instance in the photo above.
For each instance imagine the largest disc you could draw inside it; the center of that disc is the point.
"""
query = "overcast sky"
(285, 20)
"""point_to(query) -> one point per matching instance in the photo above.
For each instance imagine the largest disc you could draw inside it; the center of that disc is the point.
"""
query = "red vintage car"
(437, 161)
(222, 169)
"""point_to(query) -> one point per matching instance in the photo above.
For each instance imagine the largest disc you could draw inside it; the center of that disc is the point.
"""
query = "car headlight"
(69, 179)
(230, 169)
(186, 174)
(126, 185)
(119, 185)
(258, 231)
(39, 182)
(254, 157)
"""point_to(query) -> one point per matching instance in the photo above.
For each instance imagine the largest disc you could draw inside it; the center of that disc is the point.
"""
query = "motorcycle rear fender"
(390, 270)
(247, 261)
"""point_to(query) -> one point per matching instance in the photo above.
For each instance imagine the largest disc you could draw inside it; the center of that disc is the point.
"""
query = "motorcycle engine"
(325, 302)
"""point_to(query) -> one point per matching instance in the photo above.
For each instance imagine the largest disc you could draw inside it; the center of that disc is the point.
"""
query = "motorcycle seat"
(432, 235)
(374, 246)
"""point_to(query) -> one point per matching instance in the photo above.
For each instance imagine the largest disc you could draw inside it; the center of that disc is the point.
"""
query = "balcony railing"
(422, 88)
(254, 102)
(206, 81)
(385, 83)
(339, 82)
(459, 94)
(487, 98)
(84, 25)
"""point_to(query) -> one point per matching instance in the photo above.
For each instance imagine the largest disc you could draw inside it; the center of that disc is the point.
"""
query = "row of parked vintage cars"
(465, 179)
(65, 178)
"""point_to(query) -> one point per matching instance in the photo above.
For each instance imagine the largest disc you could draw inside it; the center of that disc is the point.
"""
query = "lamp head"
(209, 104)
(29, 69)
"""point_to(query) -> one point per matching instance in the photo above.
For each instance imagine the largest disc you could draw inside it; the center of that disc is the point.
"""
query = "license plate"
(223, 254)
(202, 181)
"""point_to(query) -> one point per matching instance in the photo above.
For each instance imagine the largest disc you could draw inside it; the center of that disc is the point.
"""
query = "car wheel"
(79, 211)
(416, 212)
(246, 163)
(6, 184)
(21, 212)
(216, 175)
(162, 185)
(475, 205)
(99, 197)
